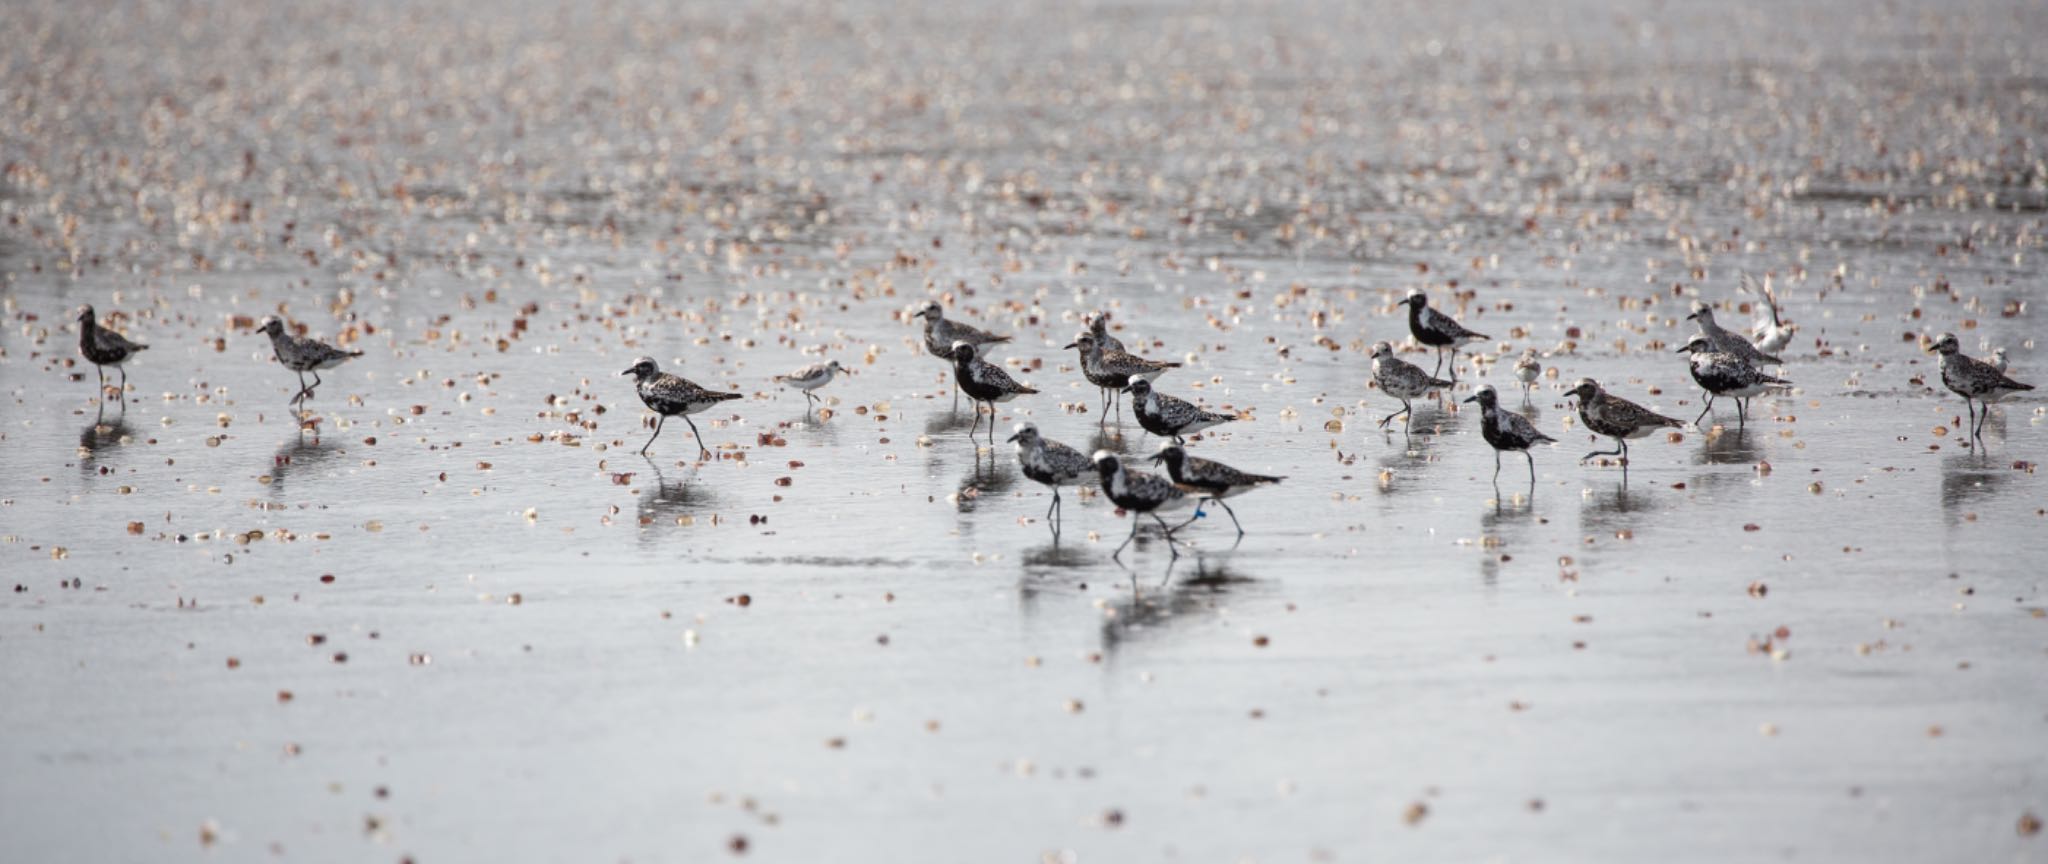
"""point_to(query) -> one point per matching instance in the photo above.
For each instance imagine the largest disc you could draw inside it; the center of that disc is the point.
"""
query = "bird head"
(642, 369)
(963, 351)
(930, 311)
(1484, 396)
(1138, 387)
(1084, 341)
(1025, 434)
(1698, 344)
(1106, 462)
(1701, 312)
(1415, 299)
(1170, 454)
(86, 316)
(1584, 388)
(1382, 350)
(271, 327)
(1945, 344)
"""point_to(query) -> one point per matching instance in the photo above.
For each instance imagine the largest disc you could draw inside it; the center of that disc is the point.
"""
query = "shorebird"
(302, 355)
(1973, 379)
(812, 377)
(671, 395)
(1439, 331)
(1113, 369)
(1213, 481)
(1170, 417)
(940, 334)
(102, 348)
(1726, 342)
(1769, 334)
(1402, 380)
(1138, 492)
(1607, 414)
(1724, 374)
(1098, 327)
(1506, 430)
(984, 382)
(1050, 464)
(1527, 370)
(1999, 361)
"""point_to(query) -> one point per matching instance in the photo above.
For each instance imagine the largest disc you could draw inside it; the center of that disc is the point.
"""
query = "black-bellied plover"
(1439, 331)
(1607, 414)
(302, 355)
(1527, 370)
(1050, 464)
(1213, 481)
(102, 348)
(1733, 344)
(1098, 327)
(1506, 430)
(1167, 416)
(1973, 379)
(1138, 492)
(1402, 380)
(672, 395)
(984, 382)
(812, 377)
(1724, 374)
(1113, 369)
(940, 335)
(1770, 334)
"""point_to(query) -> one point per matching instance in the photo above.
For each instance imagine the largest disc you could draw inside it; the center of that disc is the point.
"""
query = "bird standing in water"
(102, 348)
(1506, 430)
(672, 396)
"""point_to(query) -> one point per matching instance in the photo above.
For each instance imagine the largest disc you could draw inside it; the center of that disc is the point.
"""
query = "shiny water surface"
(459, 617)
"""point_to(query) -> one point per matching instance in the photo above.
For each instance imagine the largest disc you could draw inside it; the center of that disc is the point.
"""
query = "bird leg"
(1233, 516)
(1454, 364)
(1618, 451)
(1496, 466)
(1703, 411)
(1532, 469)
(703, 453)
(1172, 545)
(1390, 417)
(1118, 554)
(658, 420)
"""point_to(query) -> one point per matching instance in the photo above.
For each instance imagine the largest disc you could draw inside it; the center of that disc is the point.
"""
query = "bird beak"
(1156, 458)
(1471, 399)
(1693, 317)
(1072, 344)
(627, 372)
(1012, 439)
(1684, 349)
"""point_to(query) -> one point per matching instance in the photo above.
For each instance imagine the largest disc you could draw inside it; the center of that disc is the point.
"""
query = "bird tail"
(355, 353)
(724, 397)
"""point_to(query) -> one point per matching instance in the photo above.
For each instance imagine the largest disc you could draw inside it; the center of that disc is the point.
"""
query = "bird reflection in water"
(100, 441)
(1142, 611)
(299, 457)
(1502, 528)
(1729, 447)
(671, 502)
(992, 476)
(1970, 480)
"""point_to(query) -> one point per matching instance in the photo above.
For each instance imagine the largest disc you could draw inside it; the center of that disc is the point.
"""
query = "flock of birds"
(1723, 363)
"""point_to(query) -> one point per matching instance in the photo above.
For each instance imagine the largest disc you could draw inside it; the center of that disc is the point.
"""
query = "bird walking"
(302, 355)
(1050, 464)
(1724, 374)
(984, 382)
(1213, 481)
(1402, 380)
(1978, 382)
(1726, 342)
(1113, 369)
(1770, 334)
(811, 378)
(1137, 492)
(102, 348)
(1607, 414)
(1506, 430)
(1168, 416)
(1439, 331)
(671, 395)
(1527, 370)
(940, 335)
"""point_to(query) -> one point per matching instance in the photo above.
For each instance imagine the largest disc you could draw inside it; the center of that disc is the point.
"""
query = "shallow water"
(1820, 635)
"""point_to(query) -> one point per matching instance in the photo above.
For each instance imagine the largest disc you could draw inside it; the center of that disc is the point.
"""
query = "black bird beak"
(1157, 458)
(1072, 344)
(627, 372)
(1684, 349)
(1013, 439)
(1470, 399)
(1693, 317)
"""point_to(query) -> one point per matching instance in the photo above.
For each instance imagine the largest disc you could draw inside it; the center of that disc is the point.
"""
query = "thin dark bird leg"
(658, 420)
(1454, 364)
(122, 391)
(1233, 516)
(1439, 370)
(976, 427)
(1532, 469)
(1741, 413)
(702, 451)
(1618, 451)
(1390, 417)
(1496, 466)
(103, 383)
(1703, 411)
(316, 384)
(1172, 545)
(1118, 554)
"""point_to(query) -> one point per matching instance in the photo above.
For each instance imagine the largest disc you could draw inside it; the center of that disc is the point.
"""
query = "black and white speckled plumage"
(302, 355)
(941, 334)
(1050, 464)
(670, 395)
(1725, 342)
(1168, 416)
(983, 381)
(1098, 327)
(1604, 413)
(1505, 430)
(1137, 492)
(103, 347)
(1723, 374)
(1211, 480)
(1437, 330)
(1400, 379)
(1112, 368)
(1973, 379)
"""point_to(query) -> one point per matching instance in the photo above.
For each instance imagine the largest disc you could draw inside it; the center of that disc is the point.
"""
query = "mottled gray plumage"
(1168, 416)
(1724, 374)
(1973, 379)
(1402, 380)
(940, 335)
(302, 355)
(670, 395)
(1098, 327)
(103, 347)
(1725, 342)
(1050, 464)
(1112, 368)
(811, 377)
(1213, 481)
(983, 381)
(1138, 492)
(1506, 430)
(1439, 331)
(1607, 414)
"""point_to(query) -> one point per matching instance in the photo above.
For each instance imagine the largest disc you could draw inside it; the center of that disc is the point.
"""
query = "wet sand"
(851, 636)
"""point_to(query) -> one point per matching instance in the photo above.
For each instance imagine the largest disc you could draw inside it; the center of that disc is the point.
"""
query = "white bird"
(1770, 334)
(812, 377)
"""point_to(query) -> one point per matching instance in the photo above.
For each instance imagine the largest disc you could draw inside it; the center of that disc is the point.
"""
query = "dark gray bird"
(1607, 414)
(1113, 369)
(1506, 430)
(1724, 374)
(302, 355)
(1213, 481)
(671, 396)
(1402, 380)
(1167, 416)
(1439, 331)
(940, 334)
(1138, 492)
(1726, 342)
(103, 347)
(1050, 464)
(1973, 379)
(984, 382)
(1098, 327)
